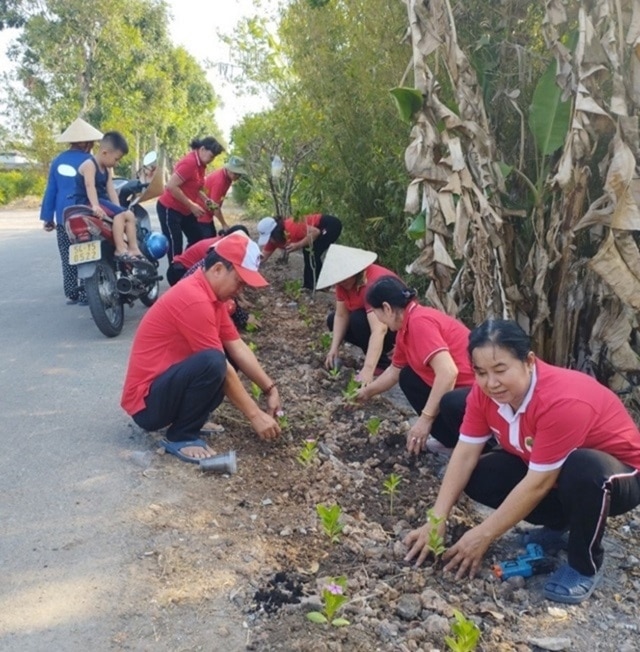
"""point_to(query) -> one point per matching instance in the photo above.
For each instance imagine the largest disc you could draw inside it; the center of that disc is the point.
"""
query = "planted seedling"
(283, 421)
(390, 488)
(351, 390)
(253, 346)
(250, 327)
(325, 341)
(465, 634)
(436, 543)
(333, 598)
(293, 288)
(330, 519)
(256, 392)
(373, 426)
(334, 372)
(308, 452)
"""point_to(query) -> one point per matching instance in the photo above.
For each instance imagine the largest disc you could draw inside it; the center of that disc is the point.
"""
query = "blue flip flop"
(570, 587)
(175, 448)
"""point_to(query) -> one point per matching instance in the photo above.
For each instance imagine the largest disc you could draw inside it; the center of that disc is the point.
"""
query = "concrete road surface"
(67, 528)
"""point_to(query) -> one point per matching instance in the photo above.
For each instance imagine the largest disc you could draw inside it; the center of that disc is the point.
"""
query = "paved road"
(66, 534)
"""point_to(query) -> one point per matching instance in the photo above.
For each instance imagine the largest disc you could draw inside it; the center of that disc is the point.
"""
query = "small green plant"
(334, 372)
(333, 598)
(390, 488)
(283, 421)
(350, 391)
(465, 634)
(373, 426)
(256, 392)
(308, 452)
(293, 288)
(325, 341)
(250, 327)
(330, 518)
(253, 346)
(436, 543)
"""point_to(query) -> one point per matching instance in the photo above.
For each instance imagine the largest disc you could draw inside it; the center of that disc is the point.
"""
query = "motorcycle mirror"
(150, 158)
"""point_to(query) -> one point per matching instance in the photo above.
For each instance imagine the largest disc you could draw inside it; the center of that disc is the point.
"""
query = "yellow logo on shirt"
(528, 443)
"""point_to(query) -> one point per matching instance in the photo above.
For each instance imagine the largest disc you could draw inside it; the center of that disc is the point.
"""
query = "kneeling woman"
(429, 360)
(570, 457)
(352, 272)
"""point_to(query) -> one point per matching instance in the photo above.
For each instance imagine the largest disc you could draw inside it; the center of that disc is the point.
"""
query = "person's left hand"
(293, 246)
(274, 404)
(417, 436)
(465, 556)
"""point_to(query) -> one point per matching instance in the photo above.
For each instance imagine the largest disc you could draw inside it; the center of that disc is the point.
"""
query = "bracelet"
(428, 415)
(268, 390)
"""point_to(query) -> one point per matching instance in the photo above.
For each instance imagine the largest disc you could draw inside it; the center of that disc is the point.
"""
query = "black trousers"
(359, 332)
(184, 395)
(173, 225)
(330, 230)
(73, 289)
(175, 272)
(207, 230)
(591, 486)
(446, 426)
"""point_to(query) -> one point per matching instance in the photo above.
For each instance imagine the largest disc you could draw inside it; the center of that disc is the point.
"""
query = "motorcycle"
(110, 283)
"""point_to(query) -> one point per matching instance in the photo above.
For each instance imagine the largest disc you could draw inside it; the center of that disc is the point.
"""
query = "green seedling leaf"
(317, 617)
(340, 622)
(256, 392)
(373, 426)
(330, 519)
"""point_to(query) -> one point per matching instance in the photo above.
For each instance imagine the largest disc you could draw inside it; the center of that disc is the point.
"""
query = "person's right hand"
(330, 360)
(417, 541)
(362, 395)
(266, 426)
(197, 210)
(48, 226)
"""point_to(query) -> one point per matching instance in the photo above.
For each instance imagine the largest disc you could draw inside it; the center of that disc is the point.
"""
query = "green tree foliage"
(113, 64)
(336, 62)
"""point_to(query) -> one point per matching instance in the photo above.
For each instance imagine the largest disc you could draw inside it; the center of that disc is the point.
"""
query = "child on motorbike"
(94, 186)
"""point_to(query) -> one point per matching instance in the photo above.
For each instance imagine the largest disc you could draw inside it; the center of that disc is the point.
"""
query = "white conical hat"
(343, 262)
(79, 131)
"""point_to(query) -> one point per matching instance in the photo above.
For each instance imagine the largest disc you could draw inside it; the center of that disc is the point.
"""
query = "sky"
(194, 25)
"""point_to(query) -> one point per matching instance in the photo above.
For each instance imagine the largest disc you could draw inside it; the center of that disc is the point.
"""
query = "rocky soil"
(254, 538)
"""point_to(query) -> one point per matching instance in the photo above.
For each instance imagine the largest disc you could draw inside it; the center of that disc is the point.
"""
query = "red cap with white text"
(244, 254)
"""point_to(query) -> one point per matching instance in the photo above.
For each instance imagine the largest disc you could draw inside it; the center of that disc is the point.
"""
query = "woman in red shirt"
(313, 234)
(569, 457)
(352, 271)
(429, 360)
(179, 206)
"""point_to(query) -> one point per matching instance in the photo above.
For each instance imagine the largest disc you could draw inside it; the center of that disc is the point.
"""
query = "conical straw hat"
(343, 262)
(79, 131)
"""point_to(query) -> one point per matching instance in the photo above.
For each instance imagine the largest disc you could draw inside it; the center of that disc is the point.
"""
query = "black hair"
(391, 290)
(115, 141)
(208, 142)
(278, 234)
(234, 229)
(505, 333)
(214, 257)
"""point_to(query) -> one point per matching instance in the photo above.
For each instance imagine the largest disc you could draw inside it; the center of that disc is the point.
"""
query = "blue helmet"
(156, 245)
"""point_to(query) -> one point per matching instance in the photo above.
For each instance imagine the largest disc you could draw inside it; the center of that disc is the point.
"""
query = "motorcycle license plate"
(84, 252)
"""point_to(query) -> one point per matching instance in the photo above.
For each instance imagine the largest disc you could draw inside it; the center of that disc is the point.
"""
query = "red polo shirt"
(425, 332)
(191, 170)
(354, 299)
(295, 231)
(195, 253)
(186, 319)
(216, 185)
(562, 411)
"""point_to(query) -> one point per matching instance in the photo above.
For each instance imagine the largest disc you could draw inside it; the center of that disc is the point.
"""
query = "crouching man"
(178, 369)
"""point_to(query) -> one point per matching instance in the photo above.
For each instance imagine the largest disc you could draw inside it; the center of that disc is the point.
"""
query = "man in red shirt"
(178, 370)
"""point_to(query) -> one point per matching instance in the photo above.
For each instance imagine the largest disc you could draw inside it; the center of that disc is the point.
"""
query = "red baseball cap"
(244, 254)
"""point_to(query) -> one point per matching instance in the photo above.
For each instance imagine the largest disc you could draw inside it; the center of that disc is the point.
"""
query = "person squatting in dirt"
(178, 371)
(216, 186)
(179, 206)
(314, 234)
(94, 186)
(193, 259)
(352, 271)
(59, 193)
(430, 362)
(569, 457)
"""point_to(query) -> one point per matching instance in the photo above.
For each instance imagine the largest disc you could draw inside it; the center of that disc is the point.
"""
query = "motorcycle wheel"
(149, 298)
(104, 300)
